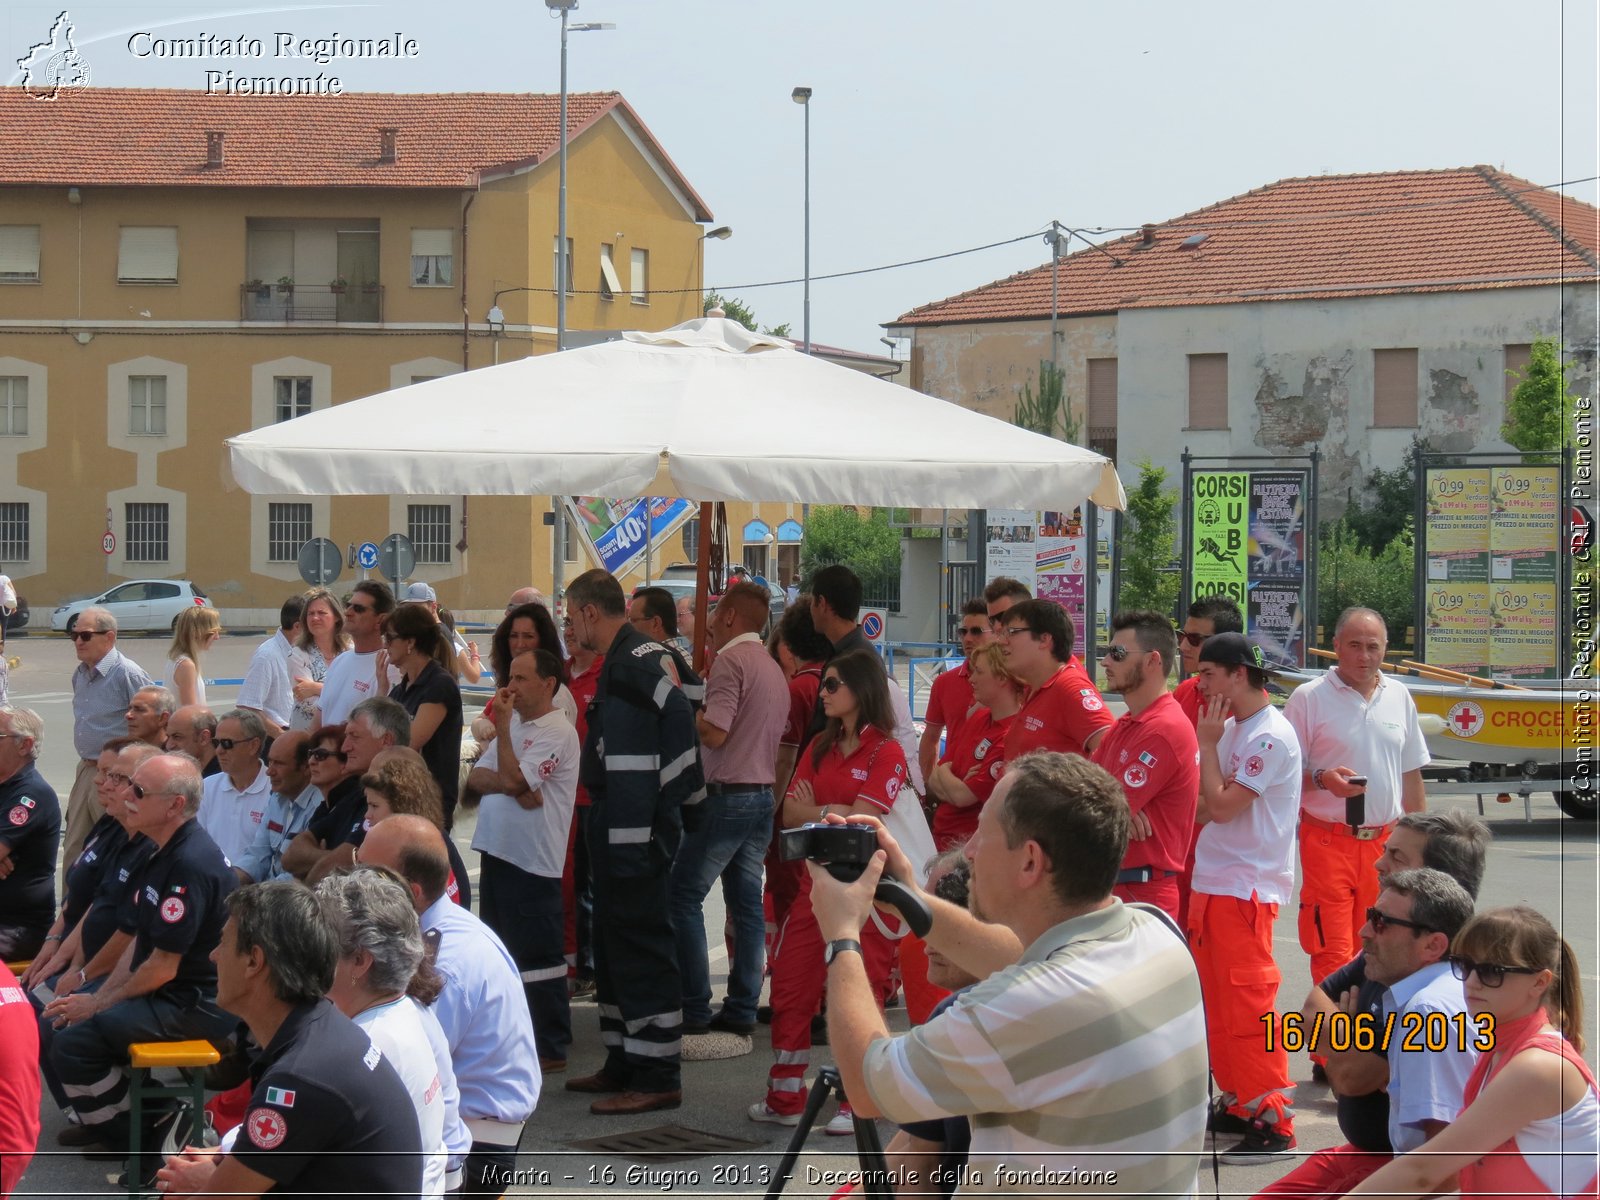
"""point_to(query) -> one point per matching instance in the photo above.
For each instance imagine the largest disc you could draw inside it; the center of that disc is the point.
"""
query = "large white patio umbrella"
(706, 411)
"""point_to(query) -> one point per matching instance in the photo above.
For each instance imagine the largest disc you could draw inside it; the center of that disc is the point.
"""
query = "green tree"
(1351, 573)
(1387, 503)
(1540, 413)
(868, 545)
(1048, 408)
(737, 310)
(1148, 580)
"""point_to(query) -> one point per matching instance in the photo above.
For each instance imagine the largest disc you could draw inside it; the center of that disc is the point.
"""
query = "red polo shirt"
(1060, 714)
(803, 689)
(978, 758)
(1188, 698)
(874, 772)
(1156, 759)
(582, 688)
(950, 700)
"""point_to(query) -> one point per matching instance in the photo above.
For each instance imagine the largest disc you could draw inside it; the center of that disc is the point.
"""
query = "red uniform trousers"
(1231, 940)
(1327, 1173)
(1338, 883)
(798, 979)
(922, 995)
(1186, 881)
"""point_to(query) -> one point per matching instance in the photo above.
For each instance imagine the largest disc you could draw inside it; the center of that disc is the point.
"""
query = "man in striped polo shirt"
(1082, 1053)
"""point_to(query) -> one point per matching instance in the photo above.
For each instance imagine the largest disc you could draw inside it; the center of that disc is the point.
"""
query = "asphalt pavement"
(1549, 862)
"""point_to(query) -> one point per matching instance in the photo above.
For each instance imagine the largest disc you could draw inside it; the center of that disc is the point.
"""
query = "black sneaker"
(1263, 1143)
(764, 1014)
(723, 1023)
(1223, 1123)
(1319, 1073)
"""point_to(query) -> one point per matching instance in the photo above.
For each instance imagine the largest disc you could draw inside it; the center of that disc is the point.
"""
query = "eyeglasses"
(1381, 921)
(832, 684)
(974, 630)
(357, 608)
(1192, 639)
(83, 635)
(322, 755)
(12, 735)
(230, 743)
(1011, 631)
(118, 779)
(1491, 975)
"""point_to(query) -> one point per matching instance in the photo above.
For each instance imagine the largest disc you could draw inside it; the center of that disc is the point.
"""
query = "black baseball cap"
(1232, 650)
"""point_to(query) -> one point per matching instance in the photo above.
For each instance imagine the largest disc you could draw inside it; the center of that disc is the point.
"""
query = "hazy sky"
(936, 126)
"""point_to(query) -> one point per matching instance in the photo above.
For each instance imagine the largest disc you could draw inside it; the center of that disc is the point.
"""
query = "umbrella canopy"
(705, 410)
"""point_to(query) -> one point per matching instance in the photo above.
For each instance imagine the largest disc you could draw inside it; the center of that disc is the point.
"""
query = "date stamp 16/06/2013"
(1417, 1032)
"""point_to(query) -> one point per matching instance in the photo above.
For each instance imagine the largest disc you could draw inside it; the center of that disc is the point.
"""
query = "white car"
(139, 604)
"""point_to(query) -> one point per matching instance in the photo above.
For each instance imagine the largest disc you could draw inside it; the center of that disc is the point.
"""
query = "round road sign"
(367, 556)
(396, 557)
(320, 562)
(108, 543)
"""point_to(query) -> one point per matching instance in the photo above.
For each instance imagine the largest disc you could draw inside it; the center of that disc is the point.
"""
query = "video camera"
(845, 850)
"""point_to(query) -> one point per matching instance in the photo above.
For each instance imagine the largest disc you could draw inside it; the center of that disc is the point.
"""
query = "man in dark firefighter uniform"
(641, 766)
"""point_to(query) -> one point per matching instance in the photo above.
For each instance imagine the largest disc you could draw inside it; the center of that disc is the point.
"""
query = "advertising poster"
(1104, 558)
(1523, 630)
(1008, 545)
(613, 531)
(1457, 516)
(1061, 566)
(1278, 525)
(1276, 621)
(1218, 547)
(1524, 525)
(1457, 624)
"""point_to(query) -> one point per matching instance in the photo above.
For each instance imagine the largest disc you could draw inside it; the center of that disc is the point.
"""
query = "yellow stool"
(20, 967)
(189, 1059)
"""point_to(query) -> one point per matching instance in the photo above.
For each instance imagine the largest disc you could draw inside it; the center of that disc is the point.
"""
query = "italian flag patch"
(282, 1097)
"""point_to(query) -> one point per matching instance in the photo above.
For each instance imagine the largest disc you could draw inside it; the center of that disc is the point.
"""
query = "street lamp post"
(802, 97)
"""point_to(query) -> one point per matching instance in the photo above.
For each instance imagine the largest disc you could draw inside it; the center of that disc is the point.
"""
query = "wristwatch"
(837, 947)
(1316, 778)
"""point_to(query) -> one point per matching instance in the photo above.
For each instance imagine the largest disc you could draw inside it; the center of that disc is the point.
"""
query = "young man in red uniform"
(1063, 709)
(1153, 754)
(950, 698)
(999, 595)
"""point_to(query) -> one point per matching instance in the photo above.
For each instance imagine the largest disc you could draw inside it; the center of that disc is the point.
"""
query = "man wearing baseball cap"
(1243, 871)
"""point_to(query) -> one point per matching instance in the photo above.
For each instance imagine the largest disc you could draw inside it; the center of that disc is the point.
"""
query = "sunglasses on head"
(83, 635)
(322, 754)
(1193, 639)
(832, 684)
(1381, 921)
(230, 743)
(1491, 975)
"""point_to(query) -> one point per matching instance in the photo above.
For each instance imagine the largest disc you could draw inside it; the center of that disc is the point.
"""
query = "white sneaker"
(843, 1123)
(760, 1112)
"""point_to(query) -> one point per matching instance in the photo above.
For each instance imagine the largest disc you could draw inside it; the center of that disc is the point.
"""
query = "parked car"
(140, 604)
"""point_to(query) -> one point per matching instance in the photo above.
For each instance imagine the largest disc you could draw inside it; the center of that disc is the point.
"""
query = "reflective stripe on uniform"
(679, 765)
(625, 837)
(540, 974)
(651, 1049)
(633, 762)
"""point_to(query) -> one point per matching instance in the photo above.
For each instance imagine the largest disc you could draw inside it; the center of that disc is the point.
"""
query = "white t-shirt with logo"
(231, 817)
(1253, 854)
(396, 1029)
(534, 839)
(352, 677)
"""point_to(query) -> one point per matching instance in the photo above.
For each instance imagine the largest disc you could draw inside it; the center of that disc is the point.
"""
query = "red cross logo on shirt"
(1465, 719)
(267, 1128)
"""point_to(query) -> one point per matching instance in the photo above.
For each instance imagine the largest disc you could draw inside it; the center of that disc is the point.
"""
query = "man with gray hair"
(375, 725)
(103, 685)
(233, 802)
(165, 987)
(149, 713)
(192, 730)
(30, 832)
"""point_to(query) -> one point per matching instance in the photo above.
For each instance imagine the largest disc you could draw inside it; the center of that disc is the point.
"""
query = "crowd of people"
(280, 879)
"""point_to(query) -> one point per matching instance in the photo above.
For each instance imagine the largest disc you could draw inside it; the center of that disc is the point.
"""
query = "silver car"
(140, 604)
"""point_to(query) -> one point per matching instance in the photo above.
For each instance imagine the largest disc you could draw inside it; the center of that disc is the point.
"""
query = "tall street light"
(558, 517)
(802, 97)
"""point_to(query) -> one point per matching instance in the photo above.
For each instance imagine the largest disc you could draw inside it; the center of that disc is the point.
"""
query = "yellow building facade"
(216, 264)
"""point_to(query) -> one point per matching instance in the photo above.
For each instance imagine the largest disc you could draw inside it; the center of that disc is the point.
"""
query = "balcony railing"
(310, 302)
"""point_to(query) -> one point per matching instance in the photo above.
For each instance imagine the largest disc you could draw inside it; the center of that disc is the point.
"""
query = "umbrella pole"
(702, 581)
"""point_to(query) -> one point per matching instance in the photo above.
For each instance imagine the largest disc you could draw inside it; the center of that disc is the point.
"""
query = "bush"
(868, 545)
(1349, 574)
(1151, 530)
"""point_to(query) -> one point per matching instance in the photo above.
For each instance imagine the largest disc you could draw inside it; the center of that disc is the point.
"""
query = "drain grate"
(666, 1143)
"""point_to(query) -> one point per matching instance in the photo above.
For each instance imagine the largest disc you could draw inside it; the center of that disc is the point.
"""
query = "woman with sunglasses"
(194, 631)
(1531, 1124)
(429, 693)
(342, 802)
(322, 639)
(854, 767)
(974, 760)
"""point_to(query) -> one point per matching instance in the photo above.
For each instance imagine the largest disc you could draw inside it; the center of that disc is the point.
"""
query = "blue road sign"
(367, 556)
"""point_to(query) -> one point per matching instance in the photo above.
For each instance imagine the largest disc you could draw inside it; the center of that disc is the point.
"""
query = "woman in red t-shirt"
(854, 767)
(976, 756)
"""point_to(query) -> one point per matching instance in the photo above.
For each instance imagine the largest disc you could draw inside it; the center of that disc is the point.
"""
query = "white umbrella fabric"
(706, 410)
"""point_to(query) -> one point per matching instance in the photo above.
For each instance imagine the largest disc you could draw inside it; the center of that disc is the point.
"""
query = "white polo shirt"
(1379, 738)
(534, 839)
(232, 817)
(1254, 852)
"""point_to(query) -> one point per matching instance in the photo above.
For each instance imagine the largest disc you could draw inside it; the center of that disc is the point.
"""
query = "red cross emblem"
(267, 1128)
(172, 910)
(1465, 719)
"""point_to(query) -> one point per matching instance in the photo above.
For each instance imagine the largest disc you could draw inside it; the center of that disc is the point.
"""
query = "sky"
(939, 127)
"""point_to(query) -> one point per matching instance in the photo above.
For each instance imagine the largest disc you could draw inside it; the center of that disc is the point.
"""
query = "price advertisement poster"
(1456, 618)
(1523, 629)
(1457, 516)
(1524, 525)
(1218, 544)
(613, 531)
(1009, 545)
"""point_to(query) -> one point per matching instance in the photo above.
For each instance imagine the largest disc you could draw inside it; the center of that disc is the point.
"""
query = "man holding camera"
(1056, 954)
(1363, 755)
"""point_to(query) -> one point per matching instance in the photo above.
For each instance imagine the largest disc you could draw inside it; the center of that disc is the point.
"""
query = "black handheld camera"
(845, 850)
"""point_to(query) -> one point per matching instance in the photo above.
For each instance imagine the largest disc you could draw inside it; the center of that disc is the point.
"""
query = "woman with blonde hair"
(975, 758)
(322, 639)
(194, 631)
(1531, 1122)
(401, 783)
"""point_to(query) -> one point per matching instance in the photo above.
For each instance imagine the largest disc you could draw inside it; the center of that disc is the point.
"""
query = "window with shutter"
(1394, 389)
(1208, 391)
(19, 254)
(148, 254)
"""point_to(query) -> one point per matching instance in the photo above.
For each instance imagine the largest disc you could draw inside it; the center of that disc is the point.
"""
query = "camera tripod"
(869, 1150)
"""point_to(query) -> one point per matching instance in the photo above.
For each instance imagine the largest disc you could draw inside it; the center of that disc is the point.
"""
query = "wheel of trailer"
(1580, 805)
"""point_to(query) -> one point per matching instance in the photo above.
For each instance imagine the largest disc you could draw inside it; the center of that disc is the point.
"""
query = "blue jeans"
(731, 842)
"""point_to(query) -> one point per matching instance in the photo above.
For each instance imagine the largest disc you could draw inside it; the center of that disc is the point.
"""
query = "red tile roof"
(138, 137)
(1319, 237)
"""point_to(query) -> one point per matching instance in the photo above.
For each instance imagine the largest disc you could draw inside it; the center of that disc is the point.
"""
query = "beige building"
(177, 268)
